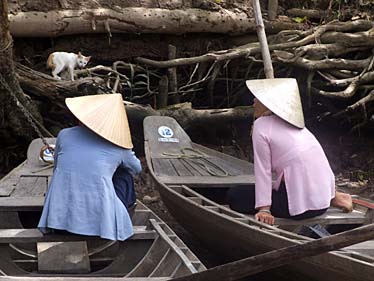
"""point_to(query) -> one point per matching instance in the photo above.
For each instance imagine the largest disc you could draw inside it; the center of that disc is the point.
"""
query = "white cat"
(58, 61)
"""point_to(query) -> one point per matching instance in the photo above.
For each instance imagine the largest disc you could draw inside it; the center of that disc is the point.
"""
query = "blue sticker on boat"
(167, 134)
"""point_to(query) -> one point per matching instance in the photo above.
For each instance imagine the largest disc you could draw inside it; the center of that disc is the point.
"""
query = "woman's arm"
(264, 215)
(131, 162)
(262, 166)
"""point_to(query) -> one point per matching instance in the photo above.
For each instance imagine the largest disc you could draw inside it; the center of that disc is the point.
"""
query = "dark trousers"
(242, 199)
(124, 186)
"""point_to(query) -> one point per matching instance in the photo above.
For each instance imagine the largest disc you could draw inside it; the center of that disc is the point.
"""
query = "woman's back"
(81, 150)
(296, 156)
(81, 197)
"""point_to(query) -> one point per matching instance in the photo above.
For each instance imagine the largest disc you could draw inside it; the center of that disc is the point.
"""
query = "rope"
(7, 47)
(198, 158)
(32, 121)
(29, 117)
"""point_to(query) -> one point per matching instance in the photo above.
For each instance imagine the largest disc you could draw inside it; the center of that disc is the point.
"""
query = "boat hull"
(235, 239)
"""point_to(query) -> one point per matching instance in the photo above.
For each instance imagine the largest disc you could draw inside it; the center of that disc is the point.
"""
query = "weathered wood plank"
(230, 168)
(180, 168)
(150, 261)
(255, 264)
(208, 181)
(197, 166)
(21, 203)
(246, 167)
(9, 182)
(330, 217)
(163, 167)
(34, 235)
(7, 188)
(30, 187)
(191, 169)
(366, 248)
(66, 257)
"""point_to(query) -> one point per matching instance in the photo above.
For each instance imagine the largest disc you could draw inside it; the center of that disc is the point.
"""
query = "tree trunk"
(13, 123)
(40, 85)
(135, 20)
(189, 117)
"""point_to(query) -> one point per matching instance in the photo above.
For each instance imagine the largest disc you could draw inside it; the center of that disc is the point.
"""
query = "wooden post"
(268, 67)
(172, 74)
(162, 99)
(212, 82)
(252, 265)
(272, 9)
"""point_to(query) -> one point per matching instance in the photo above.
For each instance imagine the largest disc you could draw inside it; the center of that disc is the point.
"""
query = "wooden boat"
(193, 179)
(154, 252)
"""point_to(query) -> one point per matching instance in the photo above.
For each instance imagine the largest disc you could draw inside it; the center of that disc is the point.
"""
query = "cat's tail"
(50, 63)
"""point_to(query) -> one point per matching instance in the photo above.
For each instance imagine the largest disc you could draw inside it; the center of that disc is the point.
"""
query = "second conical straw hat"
(281, 96)
(105, 115)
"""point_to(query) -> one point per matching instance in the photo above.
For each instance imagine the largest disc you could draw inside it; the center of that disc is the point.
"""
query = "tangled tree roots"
(338, 53)
(335, 61)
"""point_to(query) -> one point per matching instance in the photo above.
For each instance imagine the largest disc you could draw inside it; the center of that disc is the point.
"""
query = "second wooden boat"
(154, 252)
(193, 179)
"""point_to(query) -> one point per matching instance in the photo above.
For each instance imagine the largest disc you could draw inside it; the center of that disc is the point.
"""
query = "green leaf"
(300, 20)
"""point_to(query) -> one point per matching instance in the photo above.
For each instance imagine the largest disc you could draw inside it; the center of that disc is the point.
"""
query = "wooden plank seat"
(30, 203)
(34, 235)
(362, 214)
(332, 216)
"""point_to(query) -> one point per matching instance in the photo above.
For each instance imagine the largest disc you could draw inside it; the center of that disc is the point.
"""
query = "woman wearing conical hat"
(304, 183)
(81, 198)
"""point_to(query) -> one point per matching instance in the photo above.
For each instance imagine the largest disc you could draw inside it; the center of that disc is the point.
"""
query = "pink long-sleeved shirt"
(295, 153)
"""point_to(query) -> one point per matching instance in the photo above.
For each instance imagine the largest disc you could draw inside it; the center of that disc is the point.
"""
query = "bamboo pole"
(268, 67)
(252, 265)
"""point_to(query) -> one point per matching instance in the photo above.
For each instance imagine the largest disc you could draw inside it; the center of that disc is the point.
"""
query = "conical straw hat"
(105, 115)
(281, 96)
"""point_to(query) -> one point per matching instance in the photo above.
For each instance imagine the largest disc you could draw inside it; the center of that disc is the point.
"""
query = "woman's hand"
(265, 217)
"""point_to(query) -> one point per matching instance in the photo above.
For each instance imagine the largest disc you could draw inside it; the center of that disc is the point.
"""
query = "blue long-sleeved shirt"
(81, 197)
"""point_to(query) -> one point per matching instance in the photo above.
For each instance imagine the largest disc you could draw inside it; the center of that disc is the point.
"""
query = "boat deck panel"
(199, 171)
(177, 160)
(31, 186)
(181, 168)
